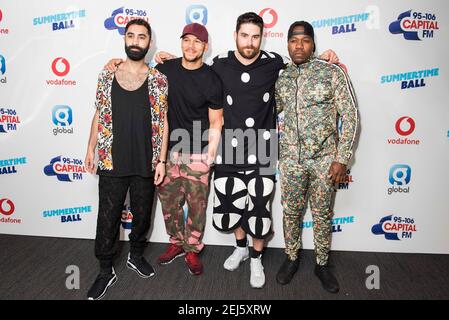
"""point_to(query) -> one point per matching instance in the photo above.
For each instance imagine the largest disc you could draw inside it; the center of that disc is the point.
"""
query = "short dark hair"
(249, 17)
(139, 22)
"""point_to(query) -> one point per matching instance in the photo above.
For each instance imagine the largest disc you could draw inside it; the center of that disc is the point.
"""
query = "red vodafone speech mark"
(274, 18)
(411, 128)
(11, 207)
(56, 67)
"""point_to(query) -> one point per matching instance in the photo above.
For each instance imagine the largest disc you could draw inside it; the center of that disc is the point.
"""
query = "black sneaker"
(328, 280)
(101, 285)
(141, 266)
(287, 271)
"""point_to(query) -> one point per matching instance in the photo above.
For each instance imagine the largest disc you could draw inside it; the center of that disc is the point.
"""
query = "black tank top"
(132, 150)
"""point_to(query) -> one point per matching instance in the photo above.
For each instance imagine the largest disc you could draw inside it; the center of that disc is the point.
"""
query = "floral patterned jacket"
(158, 90)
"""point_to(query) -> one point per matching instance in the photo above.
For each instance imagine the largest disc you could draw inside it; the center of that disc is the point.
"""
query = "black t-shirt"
(190, 95)
(248, 104)
(132, 150)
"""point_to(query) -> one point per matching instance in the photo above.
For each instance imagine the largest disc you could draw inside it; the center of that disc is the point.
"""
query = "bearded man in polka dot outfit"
(245, 168)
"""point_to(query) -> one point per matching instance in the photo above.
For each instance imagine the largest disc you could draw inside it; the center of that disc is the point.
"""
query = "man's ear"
(235, 35)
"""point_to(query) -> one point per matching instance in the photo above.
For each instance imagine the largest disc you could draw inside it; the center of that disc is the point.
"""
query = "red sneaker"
(194, 263)
(171, 254)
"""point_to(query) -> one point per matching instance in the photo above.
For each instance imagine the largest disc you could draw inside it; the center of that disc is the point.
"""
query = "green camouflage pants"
(298, 183)
(185, 183)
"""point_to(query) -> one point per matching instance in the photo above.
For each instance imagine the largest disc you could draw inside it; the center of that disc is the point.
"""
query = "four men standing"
(312, 93)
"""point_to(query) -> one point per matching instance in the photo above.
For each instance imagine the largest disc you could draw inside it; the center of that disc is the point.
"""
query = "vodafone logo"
(405, 126)
(270, 17)
(60, 67)
(6, 207)
(1, 15)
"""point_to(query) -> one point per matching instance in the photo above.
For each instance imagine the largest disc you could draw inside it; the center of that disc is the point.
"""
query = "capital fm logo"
(395, 227)
(415, 25)
(60, 67)
(62, 118)
(9, 120)
(346, 183)
(3, 31)
(270, 19)
(127, 218)
(196, 13)
(66, 169)
(404, 127)
(399, 177)
(121, 16)
(7, 209)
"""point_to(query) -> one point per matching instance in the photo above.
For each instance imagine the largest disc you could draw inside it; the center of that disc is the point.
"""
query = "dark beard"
(244, 55)
(136, 55)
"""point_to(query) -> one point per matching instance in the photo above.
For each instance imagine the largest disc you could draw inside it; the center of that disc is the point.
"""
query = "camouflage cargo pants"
(185, 182)
(298, 183)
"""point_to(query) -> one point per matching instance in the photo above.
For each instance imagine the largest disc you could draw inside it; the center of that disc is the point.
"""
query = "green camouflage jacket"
(314, 97)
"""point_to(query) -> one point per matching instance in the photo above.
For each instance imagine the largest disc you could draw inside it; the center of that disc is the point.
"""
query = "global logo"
(405, 126)
(65, 169)
(270, 17)
(62, 116)
(395, 228)
(196, 13)
(415, 25)
(399, 177)
(121, 16)
(6, 207)
(2, 64)
(60, 67)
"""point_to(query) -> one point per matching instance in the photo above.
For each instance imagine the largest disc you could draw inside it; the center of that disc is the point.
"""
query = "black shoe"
(328, 280)
(287, 271)
(141, 266)
(101, 285)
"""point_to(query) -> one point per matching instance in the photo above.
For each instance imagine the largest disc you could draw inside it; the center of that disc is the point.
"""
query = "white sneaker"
(233, 261)
(257, 278)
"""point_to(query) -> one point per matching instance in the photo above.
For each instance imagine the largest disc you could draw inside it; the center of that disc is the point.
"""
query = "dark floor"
(35, 268)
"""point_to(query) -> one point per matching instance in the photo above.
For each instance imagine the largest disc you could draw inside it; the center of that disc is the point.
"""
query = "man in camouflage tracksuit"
(313, 156)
